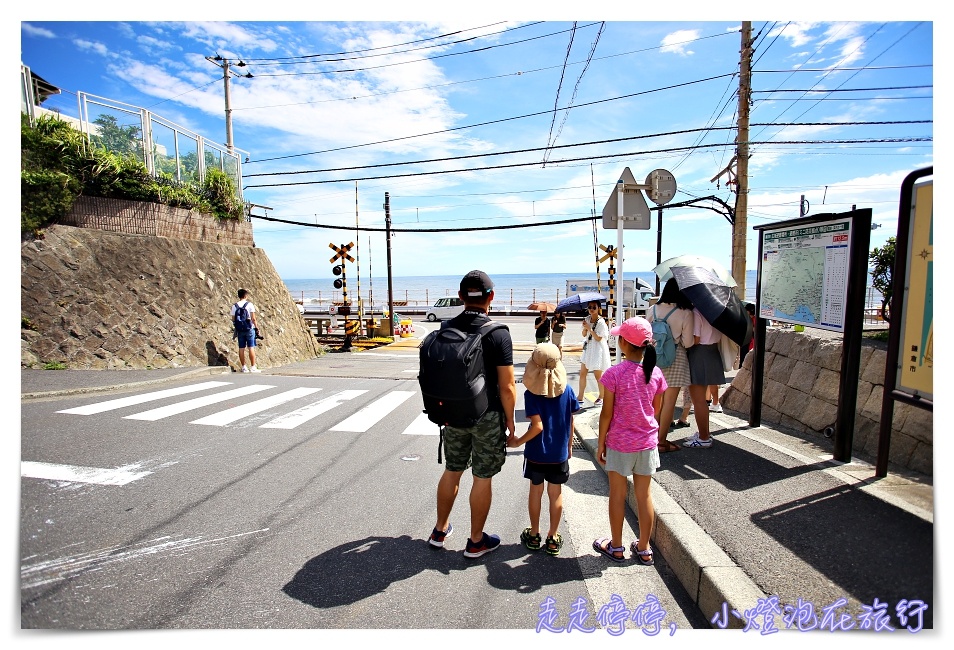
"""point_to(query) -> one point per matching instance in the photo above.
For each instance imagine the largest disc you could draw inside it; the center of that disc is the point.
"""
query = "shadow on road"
(329, 580)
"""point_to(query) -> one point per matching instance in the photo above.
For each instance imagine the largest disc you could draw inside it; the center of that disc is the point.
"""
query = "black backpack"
(452, 378)
(242, 320)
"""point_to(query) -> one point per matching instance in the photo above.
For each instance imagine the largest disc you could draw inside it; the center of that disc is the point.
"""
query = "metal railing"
(165, 147)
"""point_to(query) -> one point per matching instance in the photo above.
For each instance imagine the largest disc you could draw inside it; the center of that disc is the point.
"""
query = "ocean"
(513, 290)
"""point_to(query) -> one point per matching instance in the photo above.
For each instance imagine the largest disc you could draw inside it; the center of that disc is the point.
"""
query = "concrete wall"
(90, 298)
(800, 392)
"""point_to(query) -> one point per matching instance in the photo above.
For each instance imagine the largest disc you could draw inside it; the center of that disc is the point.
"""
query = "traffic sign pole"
(620, 254)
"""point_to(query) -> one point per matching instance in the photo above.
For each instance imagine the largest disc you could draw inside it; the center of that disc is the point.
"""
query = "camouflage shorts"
(484, 445)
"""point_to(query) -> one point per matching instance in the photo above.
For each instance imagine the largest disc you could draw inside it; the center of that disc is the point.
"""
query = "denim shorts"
(246, 339)
(483, 445)
(643, 463)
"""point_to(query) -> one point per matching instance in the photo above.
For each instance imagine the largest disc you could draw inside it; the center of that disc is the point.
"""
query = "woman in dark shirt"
(542, 326)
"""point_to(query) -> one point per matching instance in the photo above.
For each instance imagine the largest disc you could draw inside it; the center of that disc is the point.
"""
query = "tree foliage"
(882, 263)
(58, 164)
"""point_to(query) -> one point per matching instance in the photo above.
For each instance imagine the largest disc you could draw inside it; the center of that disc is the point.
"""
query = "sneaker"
(530, 540)
(678, 424)
(598, 402)
(554, 544)
(244, 368)
(254, 369)
(486, 544)
(437, 536)
(715, 408)
(696, 442)
(580, 403)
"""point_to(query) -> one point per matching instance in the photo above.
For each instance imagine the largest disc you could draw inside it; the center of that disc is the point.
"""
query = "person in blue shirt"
(549, 405)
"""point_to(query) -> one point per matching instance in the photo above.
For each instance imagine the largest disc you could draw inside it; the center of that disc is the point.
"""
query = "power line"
(578, 144)
(586, 158)
(265, 61)
(500, 76)
(430, 58)
(576, 87)
(505, 119)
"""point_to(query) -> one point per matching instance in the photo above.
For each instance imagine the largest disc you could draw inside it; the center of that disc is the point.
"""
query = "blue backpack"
(665, 343)
(242, 320)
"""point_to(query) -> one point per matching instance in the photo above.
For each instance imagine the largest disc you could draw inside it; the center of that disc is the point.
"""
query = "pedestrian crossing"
(318, 401)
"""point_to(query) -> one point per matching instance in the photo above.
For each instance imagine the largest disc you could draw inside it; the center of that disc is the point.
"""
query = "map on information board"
(804, 274)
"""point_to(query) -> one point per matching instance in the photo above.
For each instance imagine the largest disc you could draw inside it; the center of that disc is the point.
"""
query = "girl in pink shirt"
(629, 435)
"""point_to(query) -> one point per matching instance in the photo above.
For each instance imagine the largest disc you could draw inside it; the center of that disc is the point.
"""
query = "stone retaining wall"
(800, 391)
(96, 299)
(155, 219)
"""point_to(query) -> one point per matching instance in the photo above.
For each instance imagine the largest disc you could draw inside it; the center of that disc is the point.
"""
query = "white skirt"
(596, 355)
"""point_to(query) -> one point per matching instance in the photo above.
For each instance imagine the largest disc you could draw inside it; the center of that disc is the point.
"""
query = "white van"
(445, 308)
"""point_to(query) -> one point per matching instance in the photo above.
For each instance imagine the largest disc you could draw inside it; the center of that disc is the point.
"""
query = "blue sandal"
(605, 546)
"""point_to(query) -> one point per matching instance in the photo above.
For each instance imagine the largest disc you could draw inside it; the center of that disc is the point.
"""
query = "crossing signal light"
(337, 270)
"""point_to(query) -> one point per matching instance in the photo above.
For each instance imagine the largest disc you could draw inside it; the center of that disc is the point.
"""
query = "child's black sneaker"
(531, 541)
(554, 544)
(486, 544)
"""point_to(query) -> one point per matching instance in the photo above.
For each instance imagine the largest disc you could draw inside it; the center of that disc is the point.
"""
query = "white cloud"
(32, 30)
(91, 46)
(676, 41)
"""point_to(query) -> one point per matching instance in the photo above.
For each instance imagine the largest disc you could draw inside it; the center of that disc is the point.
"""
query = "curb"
(199, 372)
(707, 573)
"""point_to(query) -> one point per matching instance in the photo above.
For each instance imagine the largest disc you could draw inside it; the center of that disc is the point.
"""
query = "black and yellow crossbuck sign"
(610, 253)
(341, 252)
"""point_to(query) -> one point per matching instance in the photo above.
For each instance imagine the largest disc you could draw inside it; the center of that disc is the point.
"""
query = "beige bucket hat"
(545, 374)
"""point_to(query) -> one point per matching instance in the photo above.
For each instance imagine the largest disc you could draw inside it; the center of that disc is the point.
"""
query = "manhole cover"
(410, 457)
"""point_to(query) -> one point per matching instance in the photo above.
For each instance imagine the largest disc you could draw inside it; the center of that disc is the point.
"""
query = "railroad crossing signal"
(610, 253)
(341, 252)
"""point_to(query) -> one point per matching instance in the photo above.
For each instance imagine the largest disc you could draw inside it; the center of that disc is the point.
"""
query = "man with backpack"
(244, 324)
(474, 429)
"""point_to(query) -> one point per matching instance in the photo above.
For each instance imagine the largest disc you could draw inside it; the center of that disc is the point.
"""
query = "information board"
(916, 353)
(804, 274)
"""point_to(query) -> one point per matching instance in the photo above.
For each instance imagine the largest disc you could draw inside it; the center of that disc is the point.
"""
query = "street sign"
(635, 209)
(662, 186)
(610, 253)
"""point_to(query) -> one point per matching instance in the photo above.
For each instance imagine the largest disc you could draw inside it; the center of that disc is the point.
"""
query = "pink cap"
(635, 330)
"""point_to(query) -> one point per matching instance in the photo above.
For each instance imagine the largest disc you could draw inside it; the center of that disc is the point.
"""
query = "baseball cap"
(476, 283)
(635, 330)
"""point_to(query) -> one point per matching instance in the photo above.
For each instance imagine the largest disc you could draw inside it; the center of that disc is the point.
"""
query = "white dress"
(596, 355)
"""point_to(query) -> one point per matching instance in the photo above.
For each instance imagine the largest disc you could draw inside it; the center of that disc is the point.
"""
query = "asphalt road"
(212, 517)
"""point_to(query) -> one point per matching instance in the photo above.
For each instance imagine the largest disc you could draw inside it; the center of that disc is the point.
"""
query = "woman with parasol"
(542, 327)
(676, 309)
(596, 353)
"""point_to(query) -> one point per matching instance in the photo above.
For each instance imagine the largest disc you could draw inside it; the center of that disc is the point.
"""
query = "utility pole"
(226, 69)
(742, 162)
(387, 236)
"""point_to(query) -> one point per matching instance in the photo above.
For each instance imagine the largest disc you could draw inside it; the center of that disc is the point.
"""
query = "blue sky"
(655, 86)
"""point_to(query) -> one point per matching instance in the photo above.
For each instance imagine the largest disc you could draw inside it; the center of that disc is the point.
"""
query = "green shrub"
(59, 164)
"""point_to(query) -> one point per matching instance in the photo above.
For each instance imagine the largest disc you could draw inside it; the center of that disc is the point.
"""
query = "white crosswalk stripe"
(251, 408)
(313, 410)
(373, 412)
(359, 422)
(421, 426)
(77, 474)
(109, 405)
(199, 402)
